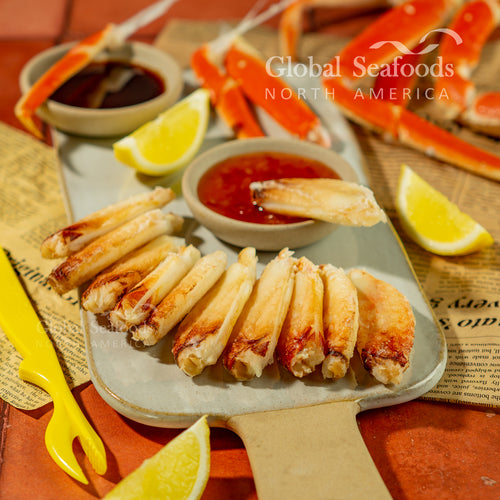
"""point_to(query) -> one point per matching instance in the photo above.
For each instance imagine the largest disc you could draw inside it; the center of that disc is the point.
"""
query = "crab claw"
(76, 59)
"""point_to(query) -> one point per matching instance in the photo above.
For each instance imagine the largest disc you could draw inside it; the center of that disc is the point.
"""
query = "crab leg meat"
(340, 321)
(300, 346)
(108, 249)
(139, 303)
(72, 238)
(111, 284)
(404, 24)
(76, 59)
(181, 299)
(331, 200)
(412, 21)
(253, 341)
(386, 327)
(204, 332)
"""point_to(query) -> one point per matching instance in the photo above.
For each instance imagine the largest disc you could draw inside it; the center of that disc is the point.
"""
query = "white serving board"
(146, 385)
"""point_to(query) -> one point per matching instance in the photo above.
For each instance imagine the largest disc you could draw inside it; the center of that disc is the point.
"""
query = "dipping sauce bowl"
(108, 122)
(260, 236)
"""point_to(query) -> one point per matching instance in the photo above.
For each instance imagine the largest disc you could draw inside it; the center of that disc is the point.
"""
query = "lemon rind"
(476, 239)
(126, 150)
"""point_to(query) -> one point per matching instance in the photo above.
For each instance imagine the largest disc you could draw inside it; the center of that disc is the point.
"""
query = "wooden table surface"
(422, 449)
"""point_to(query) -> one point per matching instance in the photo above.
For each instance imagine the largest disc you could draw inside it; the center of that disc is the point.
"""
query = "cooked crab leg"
(74, 237)
(179, 301)
(412, 21)
(139, 303)
(406, 24)
(230, 67)
(400, 124)
(331, 200)
(473, 23)
(300, 346)
(340, 321)
(204, 332)
(273, 94)
(226, 95)
(291, 21)
(107, 249)
(386, 328)
(434, 141)
(252, 344)
(483, 114)
(78, 57)
(107, 288)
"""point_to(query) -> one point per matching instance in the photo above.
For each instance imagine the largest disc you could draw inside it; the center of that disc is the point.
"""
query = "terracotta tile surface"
(423, 451)
(32, 18)
(431, 450)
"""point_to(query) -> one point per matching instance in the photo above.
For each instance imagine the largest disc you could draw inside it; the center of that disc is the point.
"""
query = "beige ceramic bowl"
(107, 122)
(260, 236)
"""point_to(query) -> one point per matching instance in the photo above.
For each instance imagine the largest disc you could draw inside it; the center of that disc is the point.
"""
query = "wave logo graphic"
(429, 48)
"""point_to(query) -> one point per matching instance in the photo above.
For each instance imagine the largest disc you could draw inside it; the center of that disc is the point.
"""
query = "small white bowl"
(260, 236)
(110, 122)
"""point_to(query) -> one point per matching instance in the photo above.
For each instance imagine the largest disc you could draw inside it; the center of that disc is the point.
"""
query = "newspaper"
(463, 291)
(31, 207)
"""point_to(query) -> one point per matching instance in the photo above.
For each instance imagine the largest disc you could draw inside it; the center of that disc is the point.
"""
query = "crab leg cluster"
(239, 79)
(152, 284)
(226, 95)
(473, 23)
(400, 37)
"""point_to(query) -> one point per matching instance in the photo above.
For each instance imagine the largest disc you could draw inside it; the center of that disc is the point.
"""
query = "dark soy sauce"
(110, 84)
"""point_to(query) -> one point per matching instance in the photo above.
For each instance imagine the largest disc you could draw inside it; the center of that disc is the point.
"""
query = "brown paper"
(31, 207)
(463, 291)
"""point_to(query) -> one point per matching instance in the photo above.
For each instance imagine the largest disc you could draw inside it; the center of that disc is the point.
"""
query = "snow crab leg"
(237, 77)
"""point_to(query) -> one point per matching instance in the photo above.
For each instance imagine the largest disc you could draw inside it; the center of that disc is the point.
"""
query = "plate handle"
(315, 452)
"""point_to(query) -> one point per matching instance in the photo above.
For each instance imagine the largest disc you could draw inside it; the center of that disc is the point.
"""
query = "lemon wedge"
(433, 221)
(179, 471)
(171, 140)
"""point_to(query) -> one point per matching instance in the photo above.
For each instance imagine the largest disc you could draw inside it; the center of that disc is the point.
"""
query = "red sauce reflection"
(224, 188)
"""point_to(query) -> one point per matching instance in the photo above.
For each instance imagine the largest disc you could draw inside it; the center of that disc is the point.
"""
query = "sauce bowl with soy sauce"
(120, 90)
(220, 205)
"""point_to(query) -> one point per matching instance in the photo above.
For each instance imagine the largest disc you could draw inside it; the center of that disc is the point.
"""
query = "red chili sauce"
(224, 188)
(139, 84)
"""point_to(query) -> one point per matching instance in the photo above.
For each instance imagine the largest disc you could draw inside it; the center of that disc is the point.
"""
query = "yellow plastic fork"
(40, 366)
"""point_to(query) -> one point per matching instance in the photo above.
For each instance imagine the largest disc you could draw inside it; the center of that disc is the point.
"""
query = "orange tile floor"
(422, 449)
